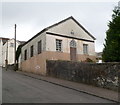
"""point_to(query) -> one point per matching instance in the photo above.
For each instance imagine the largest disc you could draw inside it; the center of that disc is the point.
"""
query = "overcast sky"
(32, 17)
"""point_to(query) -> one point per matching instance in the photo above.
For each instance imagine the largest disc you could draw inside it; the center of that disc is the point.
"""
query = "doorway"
(73, 50)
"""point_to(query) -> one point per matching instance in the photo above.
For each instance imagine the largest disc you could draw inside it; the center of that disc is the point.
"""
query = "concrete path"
(92, 90)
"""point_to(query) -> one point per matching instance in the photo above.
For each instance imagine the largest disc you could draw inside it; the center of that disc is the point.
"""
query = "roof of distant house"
(22, 42)
(99, 54)
(4, 40)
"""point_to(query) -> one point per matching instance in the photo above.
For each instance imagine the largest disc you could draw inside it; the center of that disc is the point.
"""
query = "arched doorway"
(72, 50)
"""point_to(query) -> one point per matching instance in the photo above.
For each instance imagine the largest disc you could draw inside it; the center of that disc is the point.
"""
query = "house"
(65, 40)
(99, 57)
(7, 49)
(2, 42)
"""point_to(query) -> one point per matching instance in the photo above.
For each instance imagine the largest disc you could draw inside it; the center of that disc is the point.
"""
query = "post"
(15, 50)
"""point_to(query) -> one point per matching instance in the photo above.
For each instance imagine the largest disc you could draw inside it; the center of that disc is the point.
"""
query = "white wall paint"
(10, 51)
(34, 42)
(66, 27)
(51, 44)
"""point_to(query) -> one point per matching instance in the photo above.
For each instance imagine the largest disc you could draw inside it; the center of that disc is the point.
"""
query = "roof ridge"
(58, 22)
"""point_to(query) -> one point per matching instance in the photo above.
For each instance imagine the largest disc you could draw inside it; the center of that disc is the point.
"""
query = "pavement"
(91, 90)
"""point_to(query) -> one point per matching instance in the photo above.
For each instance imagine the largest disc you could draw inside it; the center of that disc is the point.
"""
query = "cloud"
(32, 17)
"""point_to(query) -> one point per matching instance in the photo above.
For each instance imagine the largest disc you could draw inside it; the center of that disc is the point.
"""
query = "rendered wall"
(37, 63)
(51, 45)
(65, 28)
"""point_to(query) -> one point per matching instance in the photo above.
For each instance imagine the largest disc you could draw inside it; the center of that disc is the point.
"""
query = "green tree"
(111, 51)
(18, 52)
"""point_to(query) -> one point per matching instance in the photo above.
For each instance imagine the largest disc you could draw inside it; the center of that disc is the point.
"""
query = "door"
(73, 50)
(72, 53)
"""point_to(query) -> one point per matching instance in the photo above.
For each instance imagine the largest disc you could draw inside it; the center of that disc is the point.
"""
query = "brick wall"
(103, 75)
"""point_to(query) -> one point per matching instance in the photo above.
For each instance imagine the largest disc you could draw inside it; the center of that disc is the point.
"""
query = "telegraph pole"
(6, 61)
(15, 50)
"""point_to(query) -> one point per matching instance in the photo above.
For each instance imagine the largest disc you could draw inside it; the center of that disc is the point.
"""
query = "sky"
(32, 17)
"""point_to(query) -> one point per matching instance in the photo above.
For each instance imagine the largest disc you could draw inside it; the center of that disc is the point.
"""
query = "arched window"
(73, 43)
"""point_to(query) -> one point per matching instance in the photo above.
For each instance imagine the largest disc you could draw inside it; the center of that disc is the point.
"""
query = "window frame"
(25, 54)
(59, 45)
(85, 49)
(32, 51)
(39, 47)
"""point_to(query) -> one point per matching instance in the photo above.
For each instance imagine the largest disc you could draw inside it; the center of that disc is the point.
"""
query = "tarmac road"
(19, 88)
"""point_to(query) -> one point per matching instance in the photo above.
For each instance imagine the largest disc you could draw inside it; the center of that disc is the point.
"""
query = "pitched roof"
(4, 40)
(45, 29)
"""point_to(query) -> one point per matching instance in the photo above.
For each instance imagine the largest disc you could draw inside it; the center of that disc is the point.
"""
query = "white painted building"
(2, 42)
(65, 40)
(7, 51)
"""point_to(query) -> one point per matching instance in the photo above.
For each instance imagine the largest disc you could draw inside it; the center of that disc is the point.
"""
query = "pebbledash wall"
(61, 31)
(104, 75)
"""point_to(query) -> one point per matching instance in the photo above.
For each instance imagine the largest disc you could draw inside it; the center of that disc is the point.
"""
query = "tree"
(18, 52)
(111, 51)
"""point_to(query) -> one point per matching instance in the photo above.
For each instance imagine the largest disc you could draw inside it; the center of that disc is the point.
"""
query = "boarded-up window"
(39, 47)
(25, 55)
(85, 48)
(58, 45)
(31, 51)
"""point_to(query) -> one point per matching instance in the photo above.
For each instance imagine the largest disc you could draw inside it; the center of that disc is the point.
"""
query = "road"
(18, 88)
(0, 85)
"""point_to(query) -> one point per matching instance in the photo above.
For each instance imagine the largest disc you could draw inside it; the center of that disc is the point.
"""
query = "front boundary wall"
(104, 75)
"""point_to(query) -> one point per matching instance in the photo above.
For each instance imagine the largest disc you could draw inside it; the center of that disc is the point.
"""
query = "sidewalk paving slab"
(89, 89)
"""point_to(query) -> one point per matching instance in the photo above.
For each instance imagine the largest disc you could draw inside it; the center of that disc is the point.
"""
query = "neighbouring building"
(99, 57)
(65, 40)
(7, 53)
(2, 42)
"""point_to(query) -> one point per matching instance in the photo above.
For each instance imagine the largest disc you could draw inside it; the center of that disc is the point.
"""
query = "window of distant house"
(11, 44)
(58, 45)
(25, 55)
(31, 51)
(85, 48)
(39, 47)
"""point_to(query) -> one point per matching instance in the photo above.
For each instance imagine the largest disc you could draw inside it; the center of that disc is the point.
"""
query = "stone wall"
(103, 75)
